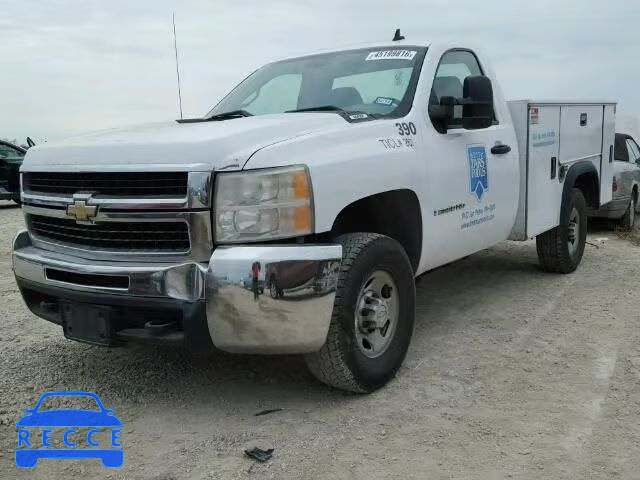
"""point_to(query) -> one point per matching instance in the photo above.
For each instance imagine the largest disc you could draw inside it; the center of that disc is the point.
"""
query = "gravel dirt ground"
(512, 373)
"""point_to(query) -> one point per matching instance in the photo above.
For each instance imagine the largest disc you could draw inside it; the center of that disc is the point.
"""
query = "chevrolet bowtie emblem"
(81, 211)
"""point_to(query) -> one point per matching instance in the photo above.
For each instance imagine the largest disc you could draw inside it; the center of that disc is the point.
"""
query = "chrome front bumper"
(295, 322)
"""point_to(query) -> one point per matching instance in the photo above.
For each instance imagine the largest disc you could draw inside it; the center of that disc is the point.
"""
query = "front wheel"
(274, 291)
(373, 315)
(560, 249)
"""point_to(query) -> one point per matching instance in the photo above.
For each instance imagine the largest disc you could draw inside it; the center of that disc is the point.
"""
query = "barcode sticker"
(392, 55)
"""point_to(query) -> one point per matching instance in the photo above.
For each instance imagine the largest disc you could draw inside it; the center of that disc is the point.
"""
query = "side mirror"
(441, 112)
(30, 142)
(477, 104)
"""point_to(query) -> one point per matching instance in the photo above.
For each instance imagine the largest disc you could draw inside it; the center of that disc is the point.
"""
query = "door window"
(634, 151)
(621, 151)
(454, 67)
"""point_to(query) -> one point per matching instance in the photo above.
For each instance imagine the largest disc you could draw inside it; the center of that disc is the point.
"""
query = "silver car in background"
(626, 183)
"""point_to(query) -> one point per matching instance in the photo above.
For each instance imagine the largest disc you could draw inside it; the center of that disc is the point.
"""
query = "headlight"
(263, 204)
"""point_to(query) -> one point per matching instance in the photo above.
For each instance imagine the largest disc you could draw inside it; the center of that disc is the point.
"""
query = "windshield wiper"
(219, 116)
(231, 114)
(333, 108)
(322, 108)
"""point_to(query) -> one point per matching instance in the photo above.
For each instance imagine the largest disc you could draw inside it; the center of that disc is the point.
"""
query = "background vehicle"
(379, 163)
(281, 277)
(11, 157)
(626, 182)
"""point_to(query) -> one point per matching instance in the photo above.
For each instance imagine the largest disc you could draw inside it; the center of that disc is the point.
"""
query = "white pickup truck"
(294, 217)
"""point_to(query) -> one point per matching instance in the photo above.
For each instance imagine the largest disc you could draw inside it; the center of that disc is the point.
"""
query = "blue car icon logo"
(100, 428)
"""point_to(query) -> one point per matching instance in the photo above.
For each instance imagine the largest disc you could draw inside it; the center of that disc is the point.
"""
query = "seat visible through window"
(345, 97)
(447, 87)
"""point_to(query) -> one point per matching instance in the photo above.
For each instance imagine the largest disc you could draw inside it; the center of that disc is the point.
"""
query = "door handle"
(500, 149)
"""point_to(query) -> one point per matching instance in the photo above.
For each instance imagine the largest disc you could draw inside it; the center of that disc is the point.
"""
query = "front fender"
(350, 162)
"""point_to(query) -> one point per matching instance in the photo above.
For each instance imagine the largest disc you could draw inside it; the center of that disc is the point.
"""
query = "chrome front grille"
(94, 221)
(146, 236)
(113, 184)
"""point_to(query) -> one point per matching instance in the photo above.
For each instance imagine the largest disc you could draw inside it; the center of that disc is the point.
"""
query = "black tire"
(554, 254)
(340, 363)
(274, 291)
(16, 198)
(628, 219)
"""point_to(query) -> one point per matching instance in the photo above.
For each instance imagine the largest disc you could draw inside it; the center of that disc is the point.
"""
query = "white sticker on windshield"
(391, 55)
(383, 100)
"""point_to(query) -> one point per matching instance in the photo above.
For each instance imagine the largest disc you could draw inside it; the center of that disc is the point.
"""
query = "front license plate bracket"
(87, 323)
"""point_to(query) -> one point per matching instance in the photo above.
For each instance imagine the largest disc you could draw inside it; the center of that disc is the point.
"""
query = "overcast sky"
(71, 66)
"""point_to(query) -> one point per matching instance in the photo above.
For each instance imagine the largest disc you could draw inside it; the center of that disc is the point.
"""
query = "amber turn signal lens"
(303, 219)
(300, 185)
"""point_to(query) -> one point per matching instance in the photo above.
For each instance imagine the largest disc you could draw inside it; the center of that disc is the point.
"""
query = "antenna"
(175, 47)
(397, 37)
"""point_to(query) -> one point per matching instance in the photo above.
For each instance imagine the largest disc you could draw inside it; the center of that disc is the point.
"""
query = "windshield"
(375, 81)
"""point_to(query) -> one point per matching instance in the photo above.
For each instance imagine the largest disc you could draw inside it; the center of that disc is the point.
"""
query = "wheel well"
(587, 183)
(634, 193)
(395, 213)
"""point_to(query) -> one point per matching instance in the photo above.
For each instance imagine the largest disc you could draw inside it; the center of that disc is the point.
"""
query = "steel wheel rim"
(574, 231)
(273, 291)
(376, 315)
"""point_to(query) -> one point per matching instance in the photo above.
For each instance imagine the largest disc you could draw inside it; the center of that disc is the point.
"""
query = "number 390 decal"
(406, 128)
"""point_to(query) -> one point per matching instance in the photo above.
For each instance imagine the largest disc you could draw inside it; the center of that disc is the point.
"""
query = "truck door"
(625, 166)
(474, 192)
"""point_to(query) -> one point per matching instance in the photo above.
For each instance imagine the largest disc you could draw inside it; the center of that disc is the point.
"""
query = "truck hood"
(203, 146)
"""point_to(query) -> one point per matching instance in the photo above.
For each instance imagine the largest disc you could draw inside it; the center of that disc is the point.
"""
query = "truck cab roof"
(400, 44)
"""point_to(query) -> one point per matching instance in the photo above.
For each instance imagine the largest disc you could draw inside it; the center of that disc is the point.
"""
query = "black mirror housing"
(477, 105)
(441, 113)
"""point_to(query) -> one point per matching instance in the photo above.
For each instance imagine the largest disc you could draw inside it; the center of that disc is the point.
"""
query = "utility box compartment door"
(608, 140)
(543, 187)
(581, 133)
